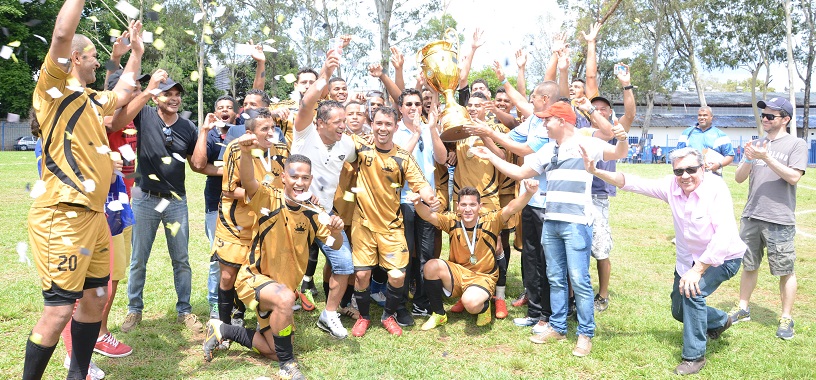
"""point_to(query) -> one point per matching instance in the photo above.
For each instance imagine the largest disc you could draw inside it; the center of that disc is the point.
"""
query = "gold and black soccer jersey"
(286, 125)
(380, 179)
(75, 166)
(487, 231)
(235, 218)
(475, 172)
(280, 244)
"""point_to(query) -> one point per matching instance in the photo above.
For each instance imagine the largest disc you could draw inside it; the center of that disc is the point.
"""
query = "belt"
(600, 196)
(158, 194)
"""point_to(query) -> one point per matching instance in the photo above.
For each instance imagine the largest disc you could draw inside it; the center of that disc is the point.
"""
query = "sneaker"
(349, 311)
(404, 318)
(392, 326)
(525, 321)
(290, 371)
(601, 303)
(379, 298)
(434, 320)
(131, 320)
(213, 338)
(521, 300)
(419, 312)
(191, 321)
(332, 325)
(360, 327)
(94, 372)
(583, 346)
(308, 286)
(458, 307)
(738, 314)
(501, 309)
(690, 367)
(109, 346)
(540, 327)
(214, 311)
(306, 301)
(785, 329)
(715, 333)
(549, 335)
(482, 319)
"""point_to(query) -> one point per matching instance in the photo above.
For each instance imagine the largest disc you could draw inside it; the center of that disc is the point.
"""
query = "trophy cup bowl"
(439, 64)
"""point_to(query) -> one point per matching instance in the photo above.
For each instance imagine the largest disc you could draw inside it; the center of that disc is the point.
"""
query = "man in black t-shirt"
(166, 140)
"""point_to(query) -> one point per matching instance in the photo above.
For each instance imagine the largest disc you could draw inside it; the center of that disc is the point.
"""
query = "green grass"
(636, 337)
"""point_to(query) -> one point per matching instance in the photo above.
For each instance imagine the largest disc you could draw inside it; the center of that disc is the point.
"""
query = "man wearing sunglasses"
(709, 248)
(704, 136)
(774, 165)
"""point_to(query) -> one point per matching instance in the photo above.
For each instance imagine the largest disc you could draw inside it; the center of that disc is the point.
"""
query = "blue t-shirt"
(711, 138)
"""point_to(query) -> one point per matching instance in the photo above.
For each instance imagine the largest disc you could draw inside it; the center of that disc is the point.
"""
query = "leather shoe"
(715, 333)
(690, 367)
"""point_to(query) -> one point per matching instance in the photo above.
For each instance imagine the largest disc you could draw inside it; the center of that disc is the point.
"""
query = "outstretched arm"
(591, 60)
(515, 172)
(524, 107)
(521, 149)
(248, 142)
(464, 70)
(306, 114)
(260, 70)
(423, 210)
(629, 106)
(394, 91)
(615, 178)
(521, 62)
(531, 187)
(397, 60)
(134, 65)
(64, 31)
(125, 115)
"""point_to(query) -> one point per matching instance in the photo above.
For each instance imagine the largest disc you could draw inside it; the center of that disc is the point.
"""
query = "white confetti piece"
(290, 78)
(38, 189)
(62, 61)
(75, 88)
(356, 190)
(115, 156)
(104, 149)
(22, 252)
(178, 157)
(269, 49)
(324, 219)
(100, 291)
(103, 100)
(71, 214)
(54, 93)
(123, 198)
(162, 205)
(127, 152)
(239, 228)
(84, 251)
(12, 117)
(197, 17)
(220, 124)
(348, 196)
(129, 10)
(5, 52)
(153, 177)
(155, 92)
(330, 241)
(219, 11)
(265, 211)
(115, 206)
(89, 185)
(67, 241)
(147, 37)
(244, 49)
(245, 116)
(218, 164)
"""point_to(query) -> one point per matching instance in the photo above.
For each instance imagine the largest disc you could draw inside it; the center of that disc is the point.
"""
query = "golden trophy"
(439, 64)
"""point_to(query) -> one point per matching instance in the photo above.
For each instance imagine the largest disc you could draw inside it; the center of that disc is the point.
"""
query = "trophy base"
(453, 120)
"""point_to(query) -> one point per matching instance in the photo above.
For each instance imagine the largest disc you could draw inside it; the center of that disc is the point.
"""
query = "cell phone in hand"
(621, 69)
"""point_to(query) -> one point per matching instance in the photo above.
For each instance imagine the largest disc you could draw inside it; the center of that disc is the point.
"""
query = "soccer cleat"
(501, 308)
(109, 346)
(522, 300)
(601, 303)
(332, 325)
(349, 311)
(360, 327)
(213, 338)
(290, 371)
(306, 301)
(392, 326)
(434, 320)
(403, 317)
(94, 372)
(131, 320)
(738, 314)
(524, 321)
(190, 321)
(484, 318)
(785, 329)
(458, 307)
(419, 312)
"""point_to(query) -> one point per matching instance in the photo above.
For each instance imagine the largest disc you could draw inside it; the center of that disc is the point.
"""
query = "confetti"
(100, 291)
(330, 240)
(167, 160)
(269, 49)
(162, 205)
(257, 153)
(75, 88)
(266, 30)
(147, 37)
(174, 228)
(356, 189)
(207, 39)
(190, 32)
(186, 114)
(54, 92)
(210, 72)
(67, 241)
(157, 7)
(14, 44)
(93, 18)
(153, 177)
(129, 10)
(324, 219)
(130, 132)
(158, 44)
(103, 149)
(162, 99)
(219, 11)
(395, 185)
(239, 228)
(218, 164)
(12, 117)
(245, 116)
(115, 156)
(69, 136)
(264, 211)
(114, 32)
(84, 251)
(41, 38)
(243, 49)
(304, 196)
(158, 31)
(127, 150)
(178, 157)
(280, 18)
(207, 29)
(194, 76)
(5, 52)
(38, 189)
(197, 17)
(173, 193)
(253, 305)
(13, 57)
(270, 41)
(123, 198)
(89, 185)
(115, 206)
(289, 78)
(348, 196)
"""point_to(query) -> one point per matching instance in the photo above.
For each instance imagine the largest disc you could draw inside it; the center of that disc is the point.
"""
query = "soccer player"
(472, 269)
(71, 208)
(285, 227)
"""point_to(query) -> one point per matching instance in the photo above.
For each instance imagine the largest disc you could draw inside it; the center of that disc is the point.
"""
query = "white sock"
(500, 292)
(307, 278)
(330, 314)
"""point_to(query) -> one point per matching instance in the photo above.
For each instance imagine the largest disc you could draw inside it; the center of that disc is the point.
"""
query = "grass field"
(636, 337)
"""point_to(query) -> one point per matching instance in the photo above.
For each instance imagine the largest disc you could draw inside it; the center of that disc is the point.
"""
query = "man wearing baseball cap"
(568, 221)
(774, 164)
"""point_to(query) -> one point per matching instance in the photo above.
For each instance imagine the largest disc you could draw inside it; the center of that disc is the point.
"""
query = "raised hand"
(521, 58)
(559, 42)
(335, 224)
(593, 32)
(247, 142)
(209, 122)
(481, 152)
(135, 32)
(258, 53)
(589, 164)
(375, 70)
(397, 59)
(619, 132)
(477, 39)
(624, 77)
(160, 76)
(119, 47)
(563, 59)
(498, 70)
(531, 185)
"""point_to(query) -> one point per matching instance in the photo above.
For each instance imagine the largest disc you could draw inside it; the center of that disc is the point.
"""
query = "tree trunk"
(807, 9)
(653, 77)
(754, 109)
(647, 119)
(384, 10)
(791, 63)
(201, 56)
(698, 80)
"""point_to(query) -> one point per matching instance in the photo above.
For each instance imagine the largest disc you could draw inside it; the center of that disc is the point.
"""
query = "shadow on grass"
(759, 314)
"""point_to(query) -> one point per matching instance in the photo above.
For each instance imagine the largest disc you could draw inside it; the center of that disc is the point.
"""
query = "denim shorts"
(777, 238)
(340, 259)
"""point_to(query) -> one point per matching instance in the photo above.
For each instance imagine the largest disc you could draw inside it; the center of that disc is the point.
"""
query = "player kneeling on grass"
(471, 271)
(284, 229)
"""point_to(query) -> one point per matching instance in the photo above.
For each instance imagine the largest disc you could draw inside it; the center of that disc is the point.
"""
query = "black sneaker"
(715, 333)
(785, 329)
(404, 317)
(310, 286)
(290, 371)
(417, 311)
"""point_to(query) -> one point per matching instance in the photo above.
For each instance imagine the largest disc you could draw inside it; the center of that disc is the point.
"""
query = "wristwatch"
(591, 110)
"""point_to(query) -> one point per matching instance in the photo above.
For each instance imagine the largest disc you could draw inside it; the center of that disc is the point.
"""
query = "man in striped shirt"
(704, 136)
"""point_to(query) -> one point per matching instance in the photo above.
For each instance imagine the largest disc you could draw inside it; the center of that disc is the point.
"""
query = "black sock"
(347, 296)
(311, 266)
(326, 289)
(485, 306)
(379, 275)
(283, 348)
(225, 302)
(238, 305)
(36, 359)
(363, 298)
(502, 262)
(433, 289)
(393, 298)
(83, 340)
(238, 334)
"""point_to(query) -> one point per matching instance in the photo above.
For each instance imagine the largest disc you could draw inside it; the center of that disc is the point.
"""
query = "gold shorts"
(462, 278)
(229, 253)
(70, 245)
(120, 257)
(371, 249)
(248, 288)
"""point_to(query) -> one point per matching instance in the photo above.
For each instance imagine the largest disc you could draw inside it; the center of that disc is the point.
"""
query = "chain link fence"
(10, 132)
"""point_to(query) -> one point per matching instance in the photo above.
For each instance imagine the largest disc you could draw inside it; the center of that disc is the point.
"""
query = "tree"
(686, 22)
(807, 55)
(487, 73)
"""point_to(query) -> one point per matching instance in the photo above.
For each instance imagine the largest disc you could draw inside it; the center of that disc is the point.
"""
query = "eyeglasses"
(168, 136)
(554, 159)
(413, 104)
(690, 170)
(421, 145)
(769, 116)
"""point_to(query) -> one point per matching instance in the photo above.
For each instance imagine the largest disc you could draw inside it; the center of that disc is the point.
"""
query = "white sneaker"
(94, 372)
(332, 325)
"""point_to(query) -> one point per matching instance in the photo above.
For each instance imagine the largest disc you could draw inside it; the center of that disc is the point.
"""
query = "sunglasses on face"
(413, 104)
(690, 170)
(168, 136)
(769, 116)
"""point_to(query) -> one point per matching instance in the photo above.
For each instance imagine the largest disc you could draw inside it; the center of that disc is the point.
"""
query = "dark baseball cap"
(777, 104)
(170, 83)
(602, 99)
(113, 79)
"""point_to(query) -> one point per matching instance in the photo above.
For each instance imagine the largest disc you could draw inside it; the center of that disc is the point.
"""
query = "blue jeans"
(693, 312)
(144, 233)
(214, 277)
(567, 248)
(340, 259)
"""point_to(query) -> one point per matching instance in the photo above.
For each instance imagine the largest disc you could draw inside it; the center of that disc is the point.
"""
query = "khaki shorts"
(70, 245)
(248, 288)
(462, 278)
(371, 249)
(229, 253)
(778, 239)
(120, 257)
(601, 230)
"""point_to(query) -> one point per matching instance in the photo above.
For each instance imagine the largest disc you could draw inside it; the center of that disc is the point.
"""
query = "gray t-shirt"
(771, 198)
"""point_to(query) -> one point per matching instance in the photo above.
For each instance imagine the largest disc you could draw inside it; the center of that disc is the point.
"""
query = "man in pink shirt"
(709, 249)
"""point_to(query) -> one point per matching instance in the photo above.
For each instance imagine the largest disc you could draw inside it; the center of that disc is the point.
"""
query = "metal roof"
(719, 121)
